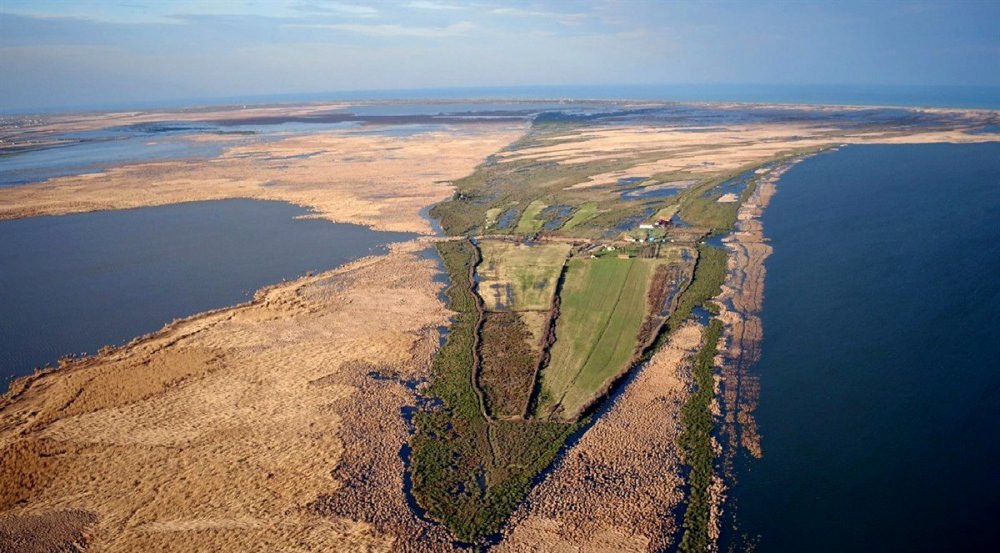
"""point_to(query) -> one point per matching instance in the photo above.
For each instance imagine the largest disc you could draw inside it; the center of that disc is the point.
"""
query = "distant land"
(979, 97)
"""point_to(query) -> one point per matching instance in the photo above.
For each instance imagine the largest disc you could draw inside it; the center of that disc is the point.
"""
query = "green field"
(530, 221)
(517, 283)
(497, 185)
(584, 213)
(603, 306)
(518, 277)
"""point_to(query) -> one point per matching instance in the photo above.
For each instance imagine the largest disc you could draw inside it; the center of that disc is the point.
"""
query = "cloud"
(566, 18)
(392, 30)
(338, 8)
(429, 5)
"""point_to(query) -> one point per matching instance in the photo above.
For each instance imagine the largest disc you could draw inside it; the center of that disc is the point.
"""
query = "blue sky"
(65, 53)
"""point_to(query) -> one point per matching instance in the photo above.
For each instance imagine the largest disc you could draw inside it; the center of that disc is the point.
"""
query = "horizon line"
(404, 94)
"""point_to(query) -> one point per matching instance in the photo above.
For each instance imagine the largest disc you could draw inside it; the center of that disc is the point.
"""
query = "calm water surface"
(879, 375)
(77, 282)
(97, 150)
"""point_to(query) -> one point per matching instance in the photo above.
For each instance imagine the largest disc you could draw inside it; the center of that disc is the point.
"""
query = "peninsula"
(558, 359)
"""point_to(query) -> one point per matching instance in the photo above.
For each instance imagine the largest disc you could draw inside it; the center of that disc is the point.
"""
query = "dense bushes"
(695, 443)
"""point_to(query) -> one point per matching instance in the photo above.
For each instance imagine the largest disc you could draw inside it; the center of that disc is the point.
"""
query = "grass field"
(603, 305)
(470, 470)
(518, 277)
(530, 221)
(482, 197)
(584, 213)
(709, 274)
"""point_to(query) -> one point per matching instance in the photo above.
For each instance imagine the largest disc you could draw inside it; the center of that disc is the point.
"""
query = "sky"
(56, 53)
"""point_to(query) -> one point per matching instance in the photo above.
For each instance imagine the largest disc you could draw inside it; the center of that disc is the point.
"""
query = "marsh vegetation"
(564, 281)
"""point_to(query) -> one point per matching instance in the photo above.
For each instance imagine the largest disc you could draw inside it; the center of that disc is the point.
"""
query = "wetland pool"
(74, 283)
(878, 375)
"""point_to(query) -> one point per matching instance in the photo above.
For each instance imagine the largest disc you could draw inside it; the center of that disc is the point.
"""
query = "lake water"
(879, 374)
(77, 282)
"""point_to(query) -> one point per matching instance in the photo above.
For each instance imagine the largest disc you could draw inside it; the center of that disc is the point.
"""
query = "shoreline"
(836, 355)
(382, 182)
(21, 384)
(721, 422)
(207, 354)
(739, 305)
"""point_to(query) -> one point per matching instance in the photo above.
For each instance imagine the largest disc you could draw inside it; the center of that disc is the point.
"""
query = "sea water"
(880, 369)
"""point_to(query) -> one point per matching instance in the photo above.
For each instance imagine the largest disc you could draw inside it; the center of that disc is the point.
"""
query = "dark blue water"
(880, 372)
(649, 192)
(77, 282)
(555, 216)
(508, 218)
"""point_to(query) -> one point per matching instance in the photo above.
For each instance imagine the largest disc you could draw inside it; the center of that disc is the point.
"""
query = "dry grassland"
(224, 431)
(379, 181)
(520, 277)
(709, 150)
(258, 428)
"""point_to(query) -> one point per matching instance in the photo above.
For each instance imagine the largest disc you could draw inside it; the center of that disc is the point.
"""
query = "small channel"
(421, 402)
(440, 277)
(425, 213)
(407, 413)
